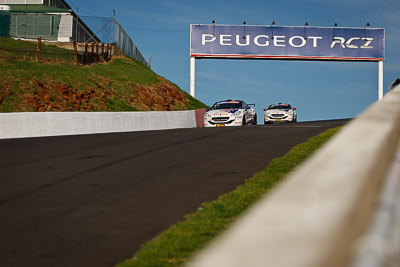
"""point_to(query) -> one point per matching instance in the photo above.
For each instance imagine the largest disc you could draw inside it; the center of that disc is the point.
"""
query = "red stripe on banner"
(285, 57)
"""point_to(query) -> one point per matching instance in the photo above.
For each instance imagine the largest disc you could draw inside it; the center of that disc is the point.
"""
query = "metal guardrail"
(320, 215)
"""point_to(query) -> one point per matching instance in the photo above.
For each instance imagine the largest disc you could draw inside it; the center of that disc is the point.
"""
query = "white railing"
(39, 124)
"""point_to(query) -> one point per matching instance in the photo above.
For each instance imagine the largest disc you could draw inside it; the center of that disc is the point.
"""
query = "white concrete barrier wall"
(319, 215)
(37, 124)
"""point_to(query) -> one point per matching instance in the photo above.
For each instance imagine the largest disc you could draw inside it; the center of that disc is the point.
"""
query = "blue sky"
(319, 90)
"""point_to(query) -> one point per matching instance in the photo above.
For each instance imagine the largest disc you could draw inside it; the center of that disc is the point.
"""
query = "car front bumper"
(222, 121)
(276, 119)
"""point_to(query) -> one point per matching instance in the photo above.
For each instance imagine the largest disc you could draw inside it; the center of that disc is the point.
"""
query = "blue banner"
(274, 42)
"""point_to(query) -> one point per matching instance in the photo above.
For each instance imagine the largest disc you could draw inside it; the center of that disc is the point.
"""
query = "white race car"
(230, 113)
(280, 112)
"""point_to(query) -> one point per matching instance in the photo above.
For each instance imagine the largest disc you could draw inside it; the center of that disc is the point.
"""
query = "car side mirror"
(265, 109)
(294, 108)
(207, 109)
(247, 107)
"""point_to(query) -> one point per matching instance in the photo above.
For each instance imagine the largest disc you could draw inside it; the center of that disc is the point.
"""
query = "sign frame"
(287, 43)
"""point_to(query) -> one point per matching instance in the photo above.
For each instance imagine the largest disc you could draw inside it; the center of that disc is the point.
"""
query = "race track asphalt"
(93, 200)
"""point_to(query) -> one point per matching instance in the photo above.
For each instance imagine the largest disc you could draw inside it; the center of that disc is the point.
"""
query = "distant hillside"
(122, 84)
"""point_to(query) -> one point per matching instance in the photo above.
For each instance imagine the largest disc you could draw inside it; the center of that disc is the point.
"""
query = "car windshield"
(226, 105)
(279, 107)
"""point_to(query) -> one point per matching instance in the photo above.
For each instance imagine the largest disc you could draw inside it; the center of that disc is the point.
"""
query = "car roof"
(280, 104)
(229, 101)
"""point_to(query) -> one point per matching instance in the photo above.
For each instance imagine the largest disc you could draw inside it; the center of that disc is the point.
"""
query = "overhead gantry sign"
(290, 43)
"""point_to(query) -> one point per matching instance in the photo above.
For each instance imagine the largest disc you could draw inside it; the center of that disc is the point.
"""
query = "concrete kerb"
(318, 215)
(39, 124)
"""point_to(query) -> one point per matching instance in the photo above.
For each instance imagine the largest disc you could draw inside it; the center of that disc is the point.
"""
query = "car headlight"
(237, 113)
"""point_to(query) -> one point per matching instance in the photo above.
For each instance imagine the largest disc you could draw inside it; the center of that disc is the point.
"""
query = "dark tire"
(244, 121)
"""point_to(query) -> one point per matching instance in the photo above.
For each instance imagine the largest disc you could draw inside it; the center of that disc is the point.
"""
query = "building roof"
(37, 9)
(66, 4)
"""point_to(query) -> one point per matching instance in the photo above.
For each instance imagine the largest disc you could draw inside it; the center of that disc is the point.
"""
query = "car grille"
(220, 119)
(277, 115)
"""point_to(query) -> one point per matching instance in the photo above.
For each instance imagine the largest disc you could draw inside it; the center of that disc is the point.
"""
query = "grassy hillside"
(123, 84)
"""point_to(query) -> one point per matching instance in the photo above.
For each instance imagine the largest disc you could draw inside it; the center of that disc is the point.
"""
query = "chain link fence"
(109, 31)
(32, 26)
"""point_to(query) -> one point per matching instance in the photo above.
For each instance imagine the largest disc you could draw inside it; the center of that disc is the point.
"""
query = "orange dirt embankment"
(100, 95)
